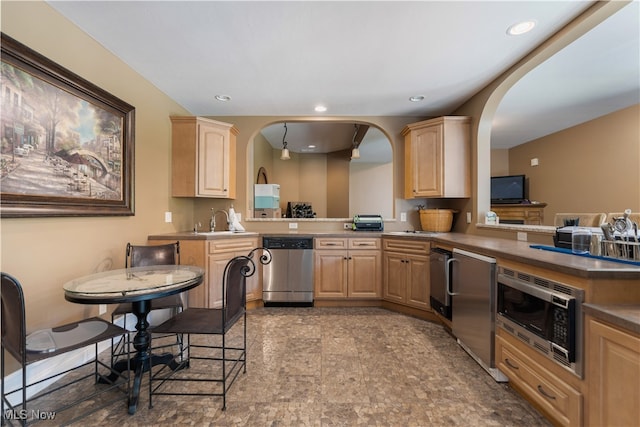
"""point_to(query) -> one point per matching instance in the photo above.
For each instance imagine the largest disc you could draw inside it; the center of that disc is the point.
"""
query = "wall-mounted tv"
(507, 189)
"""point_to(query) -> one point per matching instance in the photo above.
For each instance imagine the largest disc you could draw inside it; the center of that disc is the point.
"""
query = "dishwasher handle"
(447, 278)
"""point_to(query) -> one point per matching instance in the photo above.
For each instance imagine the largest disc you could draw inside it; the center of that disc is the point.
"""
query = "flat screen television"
(507, 189)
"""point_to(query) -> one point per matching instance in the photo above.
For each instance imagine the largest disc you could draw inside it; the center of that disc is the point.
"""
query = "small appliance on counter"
(564, 235)
(300, 210)
(267, 196)
(368, 223)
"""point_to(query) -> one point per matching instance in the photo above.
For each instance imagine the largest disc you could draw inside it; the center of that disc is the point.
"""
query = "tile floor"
(342, 367)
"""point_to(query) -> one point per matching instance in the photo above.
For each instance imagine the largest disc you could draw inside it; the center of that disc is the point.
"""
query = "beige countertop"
(621, 315)
(580, 266)
(190, 235)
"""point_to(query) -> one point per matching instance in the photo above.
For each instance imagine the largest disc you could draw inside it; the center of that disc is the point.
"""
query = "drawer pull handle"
(511, 365)
(545, 394)
(331, 244)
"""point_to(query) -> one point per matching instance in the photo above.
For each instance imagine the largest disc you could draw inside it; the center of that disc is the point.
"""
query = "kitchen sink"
(220, 233)
(412, 232)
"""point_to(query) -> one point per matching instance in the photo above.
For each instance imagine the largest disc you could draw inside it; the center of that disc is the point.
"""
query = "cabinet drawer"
(407, 246)
(232, 245)
(331, 243)
(559, 399)
(364, 243)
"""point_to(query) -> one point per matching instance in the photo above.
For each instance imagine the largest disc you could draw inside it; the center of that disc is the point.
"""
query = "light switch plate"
(168, 217)
(102, 309)
(468, 217)
(403, 217)
(293, 225)
(522, 236)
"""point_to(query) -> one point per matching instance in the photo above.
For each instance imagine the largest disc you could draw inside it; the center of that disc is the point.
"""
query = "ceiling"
(367, 58)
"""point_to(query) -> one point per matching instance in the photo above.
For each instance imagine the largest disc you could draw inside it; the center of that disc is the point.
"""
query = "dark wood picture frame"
(67, 146)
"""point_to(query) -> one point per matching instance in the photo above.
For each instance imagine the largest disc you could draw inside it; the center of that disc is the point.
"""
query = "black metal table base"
(143, 360)
(139, 367)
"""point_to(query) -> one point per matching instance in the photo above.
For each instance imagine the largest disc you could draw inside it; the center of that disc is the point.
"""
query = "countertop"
(621, 315)
(575, 265)
(190, 235)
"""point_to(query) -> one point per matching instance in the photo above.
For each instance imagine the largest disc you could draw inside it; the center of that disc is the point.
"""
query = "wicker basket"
(439, 220)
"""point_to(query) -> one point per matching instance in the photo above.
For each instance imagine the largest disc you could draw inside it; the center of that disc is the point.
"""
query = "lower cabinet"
(347, 268)
(613, 367)
(558, 399)
(213, 255)
(406, 272)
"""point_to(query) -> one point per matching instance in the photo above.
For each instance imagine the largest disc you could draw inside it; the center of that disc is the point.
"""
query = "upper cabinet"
(438, 158)
(203, 155)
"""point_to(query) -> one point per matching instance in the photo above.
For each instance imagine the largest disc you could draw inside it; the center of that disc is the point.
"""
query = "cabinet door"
(213, 161)
(426, 160)
(395, 277)
(418, 286)
(613, 367)
(364, 274)
(330, 274)
(216, 264)
(561, 402)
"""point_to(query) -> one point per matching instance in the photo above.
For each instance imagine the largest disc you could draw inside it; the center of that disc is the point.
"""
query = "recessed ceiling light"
(416, 98)
(521, 28)
(223, 98)
(320, 108)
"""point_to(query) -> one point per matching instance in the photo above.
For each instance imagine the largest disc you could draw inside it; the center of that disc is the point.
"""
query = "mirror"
(595, 77)
(321, 170)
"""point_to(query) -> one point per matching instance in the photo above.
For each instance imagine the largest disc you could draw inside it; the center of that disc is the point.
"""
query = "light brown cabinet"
(438, 158)
(613, 370)
(347, 268)
(212, 256)
(203, 154)
(406, 272)
(553, 393)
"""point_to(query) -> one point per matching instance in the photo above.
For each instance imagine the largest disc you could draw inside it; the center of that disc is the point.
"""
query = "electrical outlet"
(522, 236)
(347, 226)
(167, 217)
(293, 226)
(468, 217)
(102, 309)
(238, 216)
(403, 217)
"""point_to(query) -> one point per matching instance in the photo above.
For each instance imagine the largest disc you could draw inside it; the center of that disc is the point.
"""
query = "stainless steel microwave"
(544, 314)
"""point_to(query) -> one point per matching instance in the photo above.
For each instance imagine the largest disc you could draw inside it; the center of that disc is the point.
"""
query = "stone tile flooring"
(342, 367)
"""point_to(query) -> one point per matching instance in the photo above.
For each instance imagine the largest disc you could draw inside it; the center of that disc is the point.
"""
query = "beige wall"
(499, 162)
(338, 190)
(593, 167)
(44, 253)
(370, 188)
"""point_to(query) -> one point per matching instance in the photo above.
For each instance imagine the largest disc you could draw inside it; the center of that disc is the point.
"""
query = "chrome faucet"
(212, 222)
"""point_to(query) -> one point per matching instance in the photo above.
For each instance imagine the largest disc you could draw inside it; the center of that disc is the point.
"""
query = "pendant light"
(355, 151)
(285, 150)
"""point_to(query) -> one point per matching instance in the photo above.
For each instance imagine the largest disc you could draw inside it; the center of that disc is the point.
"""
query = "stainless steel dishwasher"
(288, 279)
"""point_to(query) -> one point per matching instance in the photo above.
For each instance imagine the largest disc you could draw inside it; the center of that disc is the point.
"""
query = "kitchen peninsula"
(611, 300)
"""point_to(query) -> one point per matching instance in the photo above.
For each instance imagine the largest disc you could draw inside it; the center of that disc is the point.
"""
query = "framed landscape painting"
(67, 146)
